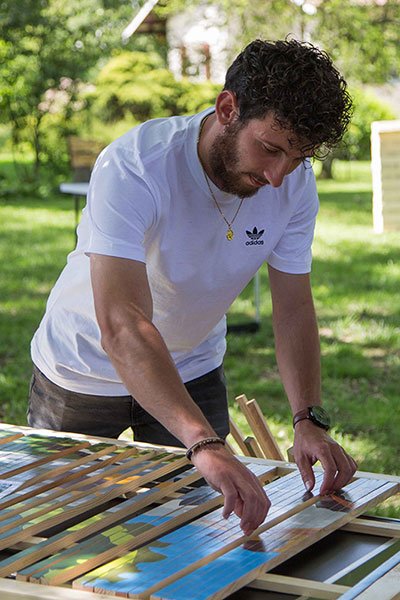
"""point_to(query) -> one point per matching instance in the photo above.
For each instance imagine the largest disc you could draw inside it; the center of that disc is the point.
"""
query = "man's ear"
(226, 107)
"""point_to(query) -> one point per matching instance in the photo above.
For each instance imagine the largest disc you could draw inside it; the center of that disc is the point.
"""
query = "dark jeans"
(53, 407)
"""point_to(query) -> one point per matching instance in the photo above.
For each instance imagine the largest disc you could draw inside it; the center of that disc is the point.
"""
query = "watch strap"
(301, 415)
(316, 414)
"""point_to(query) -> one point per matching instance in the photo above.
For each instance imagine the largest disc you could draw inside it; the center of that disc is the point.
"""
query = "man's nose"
(276, 171)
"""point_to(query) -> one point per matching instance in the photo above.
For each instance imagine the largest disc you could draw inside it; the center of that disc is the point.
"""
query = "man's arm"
(298, 356)
(123, 306)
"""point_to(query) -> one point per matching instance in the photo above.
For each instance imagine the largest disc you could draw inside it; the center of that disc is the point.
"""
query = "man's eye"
(270, 150)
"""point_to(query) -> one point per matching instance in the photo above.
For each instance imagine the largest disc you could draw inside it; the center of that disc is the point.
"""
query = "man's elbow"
(122, 336)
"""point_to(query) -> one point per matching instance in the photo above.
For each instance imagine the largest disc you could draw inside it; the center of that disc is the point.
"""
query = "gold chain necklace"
(229, 232)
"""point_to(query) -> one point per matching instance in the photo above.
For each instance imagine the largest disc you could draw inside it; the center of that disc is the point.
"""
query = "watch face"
(320, 416)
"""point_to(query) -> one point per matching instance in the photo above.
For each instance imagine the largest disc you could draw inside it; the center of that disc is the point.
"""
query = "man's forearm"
(144, 364)
(298, 355)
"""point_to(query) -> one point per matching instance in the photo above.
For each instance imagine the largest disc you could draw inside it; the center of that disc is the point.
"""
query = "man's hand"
(311, 443)
(243, 492)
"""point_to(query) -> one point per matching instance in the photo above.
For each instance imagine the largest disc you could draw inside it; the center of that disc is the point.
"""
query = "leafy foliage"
(363, 38)
(357, 141)
(49, 48)
(136, 85)
(44, 42)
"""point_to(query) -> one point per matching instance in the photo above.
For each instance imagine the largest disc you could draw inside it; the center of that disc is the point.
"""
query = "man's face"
(245, 157)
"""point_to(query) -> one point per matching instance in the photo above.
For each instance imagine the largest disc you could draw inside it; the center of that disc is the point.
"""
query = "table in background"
(77, 191)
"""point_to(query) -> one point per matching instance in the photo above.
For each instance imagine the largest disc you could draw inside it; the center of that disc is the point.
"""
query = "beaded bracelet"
(201, 443)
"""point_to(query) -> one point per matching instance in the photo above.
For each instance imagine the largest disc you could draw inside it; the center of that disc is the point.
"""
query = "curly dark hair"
(299, 83)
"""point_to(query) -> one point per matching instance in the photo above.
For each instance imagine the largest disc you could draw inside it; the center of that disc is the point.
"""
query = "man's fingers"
(231, 499)
(313, 444)
(346, 467)
(252, 514)
(256, 505)
(238, 510)
(330, 470)
(307, 474)
(243, 493)
(339, 469)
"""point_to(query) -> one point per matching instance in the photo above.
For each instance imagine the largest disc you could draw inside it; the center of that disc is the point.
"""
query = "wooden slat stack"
(168, 540)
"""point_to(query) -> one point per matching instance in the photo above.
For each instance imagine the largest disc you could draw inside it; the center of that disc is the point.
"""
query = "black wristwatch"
(316, 414)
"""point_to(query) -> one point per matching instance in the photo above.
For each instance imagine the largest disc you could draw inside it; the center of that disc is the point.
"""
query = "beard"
(224, 162)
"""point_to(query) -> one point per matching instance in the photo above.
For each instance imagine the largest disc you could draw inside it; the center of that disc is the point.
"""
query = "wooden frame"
(289, 528)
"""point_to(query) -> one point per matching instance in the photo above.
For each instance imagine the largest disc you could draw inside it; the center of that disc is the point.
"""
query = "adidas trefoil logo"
(255, 237)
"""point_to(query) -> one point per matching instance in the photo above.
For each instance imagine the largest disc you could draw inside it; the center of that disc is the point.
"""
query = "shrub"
(357, 141)
(135, 85)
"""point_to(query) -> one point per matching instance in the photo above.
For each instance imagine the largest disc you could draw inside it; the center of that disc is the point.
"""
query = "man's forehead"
(279, 133)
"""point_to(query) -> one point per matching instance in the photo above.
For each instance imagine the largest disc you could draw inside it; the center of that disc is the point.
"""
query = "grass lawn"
(356, 279)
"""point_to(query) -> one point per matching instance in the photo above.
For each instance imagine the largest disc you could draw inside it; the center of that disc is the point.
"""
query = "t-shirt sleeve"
(121, 207)
(292, 254)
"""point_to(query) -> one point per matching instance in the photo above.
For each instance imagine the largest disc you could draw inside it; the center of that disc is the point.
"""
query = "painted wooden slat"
(212, 530)
(263, 471)
(115, 542)
(220, 538)
(187, 544)
(91, 453)
(122, 538)
(275, 536)
(8, 487)
(54, 477)
(217, 541)
(215, 580)
(8, 436)
(34, 496)
(106, 491)
(68, 538)
(34, 484)
(386, 588)
(34, 450)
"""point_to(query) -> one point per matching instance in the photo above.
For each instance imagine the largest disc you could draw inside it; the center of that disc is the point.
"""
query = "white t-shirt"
(148, 201)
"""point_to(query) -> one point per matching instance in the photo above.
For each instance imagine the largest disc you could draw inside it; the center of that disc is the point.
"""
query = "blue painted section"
(139, 576)
(211, 578)
(185, 546)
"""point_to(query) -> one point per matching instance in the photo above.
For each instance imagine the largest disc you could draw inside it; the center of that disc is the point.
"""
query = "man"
(181, 213)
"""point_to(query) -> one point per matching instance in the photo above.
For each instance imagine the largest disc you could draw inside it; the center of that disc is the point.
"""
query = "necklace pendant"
(229, 234)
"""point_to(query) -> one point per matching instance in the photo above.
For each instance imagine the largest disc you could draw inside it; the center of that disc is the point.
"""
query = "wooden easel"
(261, 444)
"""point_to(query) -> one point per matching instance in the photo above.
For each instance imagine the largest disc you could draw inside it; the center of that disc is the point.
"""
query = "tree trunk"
(327, 164)
(36, 144)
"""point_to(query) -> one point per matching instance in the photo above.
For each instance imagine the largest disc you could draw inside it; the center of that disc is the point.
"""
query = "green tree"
(356, 144)
(136, 86)
(43, 42)
(362, 38)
